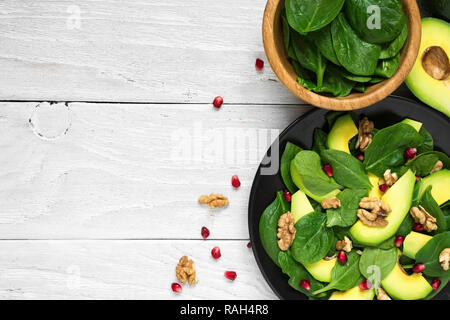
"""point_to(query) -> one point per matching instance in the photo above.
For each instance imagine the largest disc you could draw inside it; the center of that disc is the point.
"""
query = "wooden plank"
(125, 270)
(127, 50)
(102, 171)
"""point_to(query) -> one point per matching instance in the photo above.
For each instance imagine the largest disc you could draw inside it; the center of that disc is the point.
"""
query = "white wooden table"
(98, 192)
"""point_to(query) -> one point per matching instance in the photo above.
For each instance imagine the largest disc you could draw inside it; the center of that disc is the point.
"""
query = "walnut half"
(214, 200)
(345, 245)
(420, 215)
(286, 231)
(185, 271)
(444, 258)
(390, 178)
(331, 203)
(377, 214)
(364, 134)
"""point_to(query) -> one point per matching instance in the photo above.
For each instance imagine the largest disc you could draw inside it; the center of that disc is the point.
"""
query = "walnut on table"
(364, 134)
(444, 258)
(377, 214)
(331, 203)
(421, 216)
(185, 271)
(345, 245)
(286, 231)
(214, 200)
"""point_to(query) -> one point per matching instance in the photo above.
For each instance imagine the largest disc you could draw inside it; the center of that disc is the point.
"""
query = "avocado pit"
(435, 62)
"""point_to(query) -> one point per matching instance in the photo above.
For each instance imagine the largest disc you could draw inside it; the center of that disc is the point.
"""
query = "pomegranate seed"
(360, 157)
(205, 232)
(383, 187)
(287, 195)
(176, 287)
(435, 283)
(249, 244)
(342, 257)
(218, 101)
(305, 285)
(418, 268)
(328, 170)
(230, 275)
(259, 64)
(410, 153)
(418, 178)
(418, 227)
(235, 181)
(365, 285)
(399, 241)
(215, 252)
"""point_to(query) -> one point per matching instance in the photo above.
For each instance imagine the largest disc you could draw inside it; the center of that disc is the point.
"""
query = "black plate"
(384, 113)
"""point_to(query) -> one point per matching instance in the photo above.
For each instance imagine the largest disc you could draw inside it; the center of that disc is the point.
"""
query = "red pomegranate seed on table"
(435, 283)
(418, 268)
(215, 252)
(235, 182)
(328, 170)
(230, 275)
(287, 195)
(218, 101)
(205, 232)
(383, 187)
(418, 227)
(305, 285)
(249, 244)
(399, 241)
(176, 287)
(410, 153)
(342, 257)
(259, 64)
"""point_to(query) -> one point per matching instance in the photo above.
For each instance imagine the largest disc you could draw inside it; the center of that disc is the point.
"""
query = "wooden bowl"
(276, 54)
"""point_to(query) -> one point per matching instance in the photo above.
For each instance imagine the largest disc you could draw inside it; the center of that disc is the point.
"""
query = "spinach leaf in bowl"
(309, 15)
(376, 21)
(323, 40)
(333, 83)
(388, 67)
(356, 55)
(393, 48)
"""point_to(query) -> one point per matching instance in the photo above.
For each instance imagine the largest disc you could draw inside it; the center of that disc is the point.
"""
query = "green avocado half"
(429, 78)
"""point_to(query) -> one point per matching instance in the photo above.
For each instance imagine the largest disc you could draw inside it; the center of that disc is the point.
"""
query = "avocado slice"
(440, 181)
(342, 131)
(413, 123)
(401, 286)
(399, 198)
(429, 78)
(300, 205)
(414, 242)
(375, 192)
(321, 270)
(353, 294)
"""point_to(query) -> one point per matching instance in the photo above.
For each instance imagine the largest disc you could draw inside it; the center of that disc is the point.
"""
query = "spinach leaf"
(375, 80)
(344, 277)
(387, 147)
(310, 15)
(308, 165)
(347, 170)
(428, 143)
(423, 164)
(268, 225)
(355, 55)
(302, 72)
(333, 83)
(446, 211)
(309, 56)
(387, 244)
(392, 49)
(323, 40)
(376, 264)
(406, 226)
(429, 255)
(363, 19)
(313, 239)
(416, 194)
(361, 87)
(430, 205)
(345, 215)
(289, 153)
(354, 77)
(297, 273)
(320, 140)
(387, 68)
